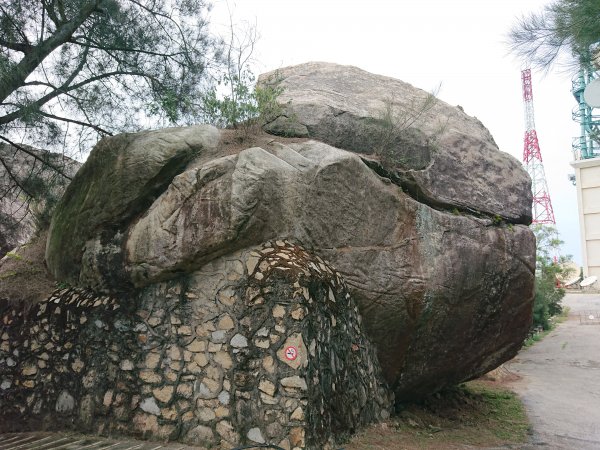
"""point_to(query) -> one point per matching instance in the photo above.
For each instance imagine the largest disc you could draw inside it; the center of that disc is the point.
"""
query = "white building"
(587, 176)
(586, 152)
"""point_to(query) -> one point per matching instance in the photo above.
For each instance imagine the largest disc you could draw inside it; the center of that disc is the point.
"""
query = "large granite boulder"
(437, 252)
(431, 284)
(119, 181)
(446, 156)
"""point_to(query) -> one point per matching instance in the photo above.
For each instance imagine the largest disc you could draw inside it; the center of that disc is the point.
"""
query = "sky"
(459, 44)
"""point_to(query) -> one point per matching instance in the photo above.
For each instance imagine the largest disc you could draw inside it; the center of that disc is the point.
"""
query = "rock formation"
(445, 157)
(404, 197)
(17, 221)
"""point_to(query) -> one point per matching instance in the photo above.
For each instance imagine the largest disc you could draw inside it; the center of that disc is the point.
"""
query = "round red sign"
(291, 353)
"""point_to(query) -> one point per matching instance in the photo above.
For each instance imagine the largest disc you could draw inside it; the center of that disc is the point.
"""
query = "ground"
(557, 378)
(560, 380)
(479, 414)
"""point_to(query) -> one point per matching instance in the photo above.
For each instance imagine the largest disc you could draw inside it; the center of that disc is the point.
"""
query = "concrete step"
(72, 441)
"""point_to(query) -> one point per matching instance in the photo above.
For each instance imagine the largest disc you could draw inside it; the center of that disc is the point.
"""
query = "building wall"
(587, 174)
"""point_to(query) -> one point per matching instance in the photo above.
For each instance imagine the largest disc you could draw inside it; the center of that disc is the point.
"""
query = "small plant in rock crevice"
(396, 137)
(246, 108)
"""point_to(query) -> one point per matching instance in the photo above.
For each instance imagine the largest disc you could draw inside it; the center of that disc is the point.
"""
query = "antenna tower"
(586, 146)
(532, 159)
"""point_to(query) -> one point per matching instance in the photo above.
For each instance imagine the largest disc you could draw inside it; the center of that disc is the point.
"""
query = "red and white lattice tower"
(532, 159)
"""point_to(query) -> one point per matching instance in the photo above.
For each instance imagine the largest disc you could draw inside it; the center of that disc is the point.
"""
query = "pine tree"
(570, 28)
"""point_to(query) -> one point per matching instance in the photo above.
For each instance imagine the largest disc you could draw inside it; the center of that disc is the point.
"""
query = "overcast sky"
(460, 44)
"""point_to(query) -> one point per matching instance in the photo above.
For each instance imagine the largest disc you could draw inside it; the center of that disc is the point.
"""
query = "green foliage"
(539, 333)
(7, 275)
(535, 337)
(547, 298)
(73, 71)
(62, 285)
(547, 295)
(234, 101)
(235, 108)
(76, 70)
(266, 96)
(563, 26)
(244, 106)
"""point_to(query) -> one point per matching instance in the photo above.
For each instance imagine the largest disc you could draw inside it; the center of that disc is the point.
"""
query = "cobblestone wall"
(263, 346)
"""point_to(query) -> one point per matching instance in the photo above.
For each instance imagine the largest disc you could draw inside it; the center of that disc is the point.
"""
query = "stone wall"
(262, 346)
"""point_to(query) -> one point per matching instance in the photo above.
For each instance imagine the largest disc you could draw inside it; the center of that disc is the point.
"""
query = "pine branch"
(37, 157)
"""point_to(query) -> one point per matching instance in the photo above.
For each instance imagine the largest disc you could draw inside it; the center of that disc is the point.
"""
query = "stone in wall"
(57, 356)
(262, 346)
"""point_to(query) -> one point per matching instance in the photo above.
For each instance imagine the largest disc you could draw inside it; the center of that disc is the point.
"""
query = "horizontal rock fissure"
(412, 189)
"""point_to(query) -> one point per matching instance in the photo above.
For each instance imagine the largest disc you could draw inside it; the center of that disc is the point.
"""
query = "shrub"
(245, 107)
(548, 295)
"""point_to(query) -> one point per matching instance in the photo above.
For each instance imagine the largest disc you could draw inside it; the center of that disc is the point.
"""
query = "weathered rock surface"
(440, 153)
(437, 255)
(418, 274)
(17, 221)
(118, 182)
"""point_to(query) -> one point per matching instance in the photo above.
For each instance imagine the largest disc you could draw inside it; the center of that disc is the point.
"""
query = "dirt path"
(560, 381)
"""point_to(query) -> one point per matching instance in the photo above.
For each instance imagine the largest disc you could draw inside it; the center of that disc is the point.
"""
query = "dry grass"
(478, 414)
(234, 141)
(23, 273)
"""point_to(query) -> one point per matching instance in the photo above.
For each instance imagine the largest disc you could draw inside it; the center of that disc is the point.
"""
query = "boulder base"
(262, 346)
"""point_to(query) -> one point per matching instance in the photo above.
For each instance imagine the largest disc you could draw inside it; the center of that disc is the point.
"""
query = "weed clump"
(476, 413)
(396, 136)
